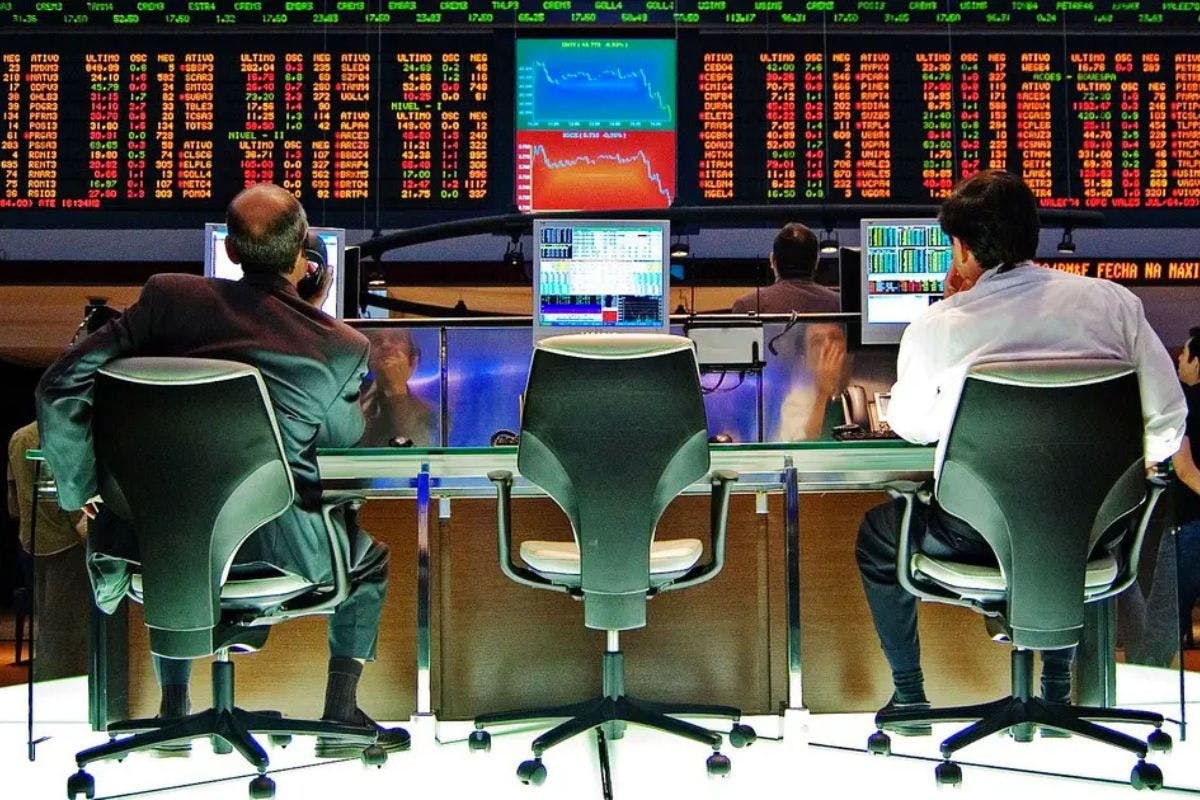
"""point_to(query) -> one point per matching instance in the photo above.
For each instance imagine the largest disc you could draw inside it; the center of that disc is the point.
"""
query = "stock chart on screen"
(595, 124)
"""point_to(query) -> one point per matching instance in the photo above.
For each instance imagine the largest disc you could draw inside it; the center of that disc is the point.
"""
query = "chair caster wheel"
(1146, 776)
(532, 772)
(742, 736)
(1160, 741)
(262, 787)
(81, 783)
(279, 739)
(479, 740)
(948, 773)
(718, 765)
(374, 756)
(879, 743)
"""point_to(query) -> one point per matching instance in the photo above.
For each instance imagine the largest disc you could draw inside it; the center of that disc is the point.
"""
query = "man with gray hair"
(313, 367)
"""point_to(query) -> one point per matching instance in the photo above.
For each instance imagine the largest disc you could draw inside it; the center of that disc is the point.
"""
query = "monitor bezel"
(879, 332)
(541, 331)
(339, 272)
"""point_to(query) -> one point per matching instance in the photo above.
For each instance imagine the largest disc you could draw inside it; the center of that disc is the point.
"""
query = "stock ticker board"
(385, 130)
(534, 13)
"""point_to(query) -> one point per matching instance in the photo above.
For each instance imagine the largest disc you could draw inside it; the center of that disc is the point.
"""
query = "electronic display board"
(533, 14)
(1090, 122)
(595, 123)
(180, 123)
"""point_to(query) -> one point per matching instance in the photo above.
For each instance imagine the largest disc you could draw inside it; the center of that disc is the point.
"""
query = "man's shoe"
(907, 728)
(391, 740)
(172, 749)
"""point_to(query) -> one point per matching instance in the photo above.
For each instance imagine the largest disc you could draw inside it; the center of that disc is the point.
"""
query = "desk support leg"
(795, 699)
(30, 744)
(424, 694)
(1095, 657)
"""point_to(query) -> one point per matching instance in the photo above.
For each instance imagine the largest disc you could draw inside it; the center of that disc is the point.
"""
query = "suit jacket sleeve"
(64, 397)
(344, 424)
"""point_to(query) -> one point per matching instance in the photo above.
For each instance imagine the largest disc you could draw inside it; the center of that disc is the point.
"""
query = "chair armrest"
(339, 560)
(905, 548)
(722, 487)
(503, 480)
(1155, 484)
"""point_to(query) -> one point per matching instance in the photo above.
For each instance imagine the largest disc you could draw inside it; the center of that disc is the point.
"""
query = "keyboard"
(861, 434)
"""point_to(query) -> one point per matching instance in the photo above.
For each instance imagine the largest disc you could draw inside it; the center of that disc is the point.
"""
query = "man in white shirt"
(999, 306)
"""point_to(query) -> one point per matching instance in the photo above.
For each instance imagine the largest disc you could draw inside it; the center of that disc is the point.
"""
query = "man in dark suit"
(794, 257)
(313, 366)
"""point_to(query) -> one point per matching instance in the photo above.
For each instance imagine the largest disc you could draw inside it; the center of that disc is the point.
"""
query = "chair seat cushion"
(972, 580)
(250, 582)
(562, 558)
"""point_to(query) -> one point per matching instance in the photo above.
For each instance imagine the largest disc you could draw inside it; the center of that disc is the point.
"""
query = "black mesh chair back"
(188, 453)
(613, 428)
(1044, 458)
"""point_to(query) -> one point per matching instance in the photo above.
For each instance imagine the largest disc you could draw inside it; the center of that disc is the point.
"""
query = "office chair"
(1045, 460)
(613, 428)
(189, 454)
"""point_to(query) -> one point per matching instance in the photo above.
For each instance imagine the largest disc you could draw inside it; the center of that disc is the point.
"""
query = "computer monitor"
(903, 269)
(218, 265)
(600, 275)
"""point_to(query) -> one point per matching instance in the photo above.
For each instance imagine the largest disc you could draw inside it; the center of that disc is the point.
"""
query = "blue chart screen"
(626, 84)
(595, 124)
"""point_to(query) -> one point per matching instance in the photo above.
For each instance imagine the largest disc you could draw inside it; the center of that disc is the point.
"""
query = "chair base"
(230, 728)
(611, 713)
(1021, 713)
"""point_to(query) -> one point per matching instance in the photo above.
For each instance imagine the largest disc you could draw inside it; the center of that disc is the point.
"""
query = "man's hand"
(92, 507)
(956, 282)
(322, 294)
(830, 371)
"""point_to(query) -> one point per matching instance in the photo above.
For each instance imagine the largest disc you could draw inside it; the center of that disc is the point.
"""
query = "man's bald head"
(266, 226)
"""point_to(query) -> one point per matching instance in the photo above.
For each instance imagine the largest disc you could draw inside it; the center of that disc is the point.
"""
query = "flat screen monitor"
(218, 265)
(600, 275)
(903, 269)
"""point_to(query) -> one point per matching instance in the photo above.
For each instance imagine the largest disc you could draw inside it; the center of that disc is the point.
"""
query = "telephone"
(855, 408)
(318, 265)
(860, 422)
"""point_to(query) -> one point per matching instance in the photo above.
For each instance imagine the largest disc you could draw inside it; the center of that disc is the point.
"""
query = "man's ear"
(230, 253)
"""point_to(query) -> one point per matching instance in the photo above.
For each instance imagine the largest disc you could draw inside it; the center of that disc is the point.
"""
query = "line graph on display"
(625, 96)
(616, 170)
(627, 85)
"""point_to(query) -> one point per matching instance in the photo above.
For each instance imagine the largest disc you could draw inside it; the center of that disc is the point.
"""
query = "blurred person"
(391, 411)
(812, 408)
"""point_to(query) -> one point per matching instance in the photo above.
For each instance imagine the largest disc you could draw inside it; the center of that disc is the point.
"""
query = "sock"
(910, 686)
(173, 675)
(1056, 679)
(175, 702)
(341, 692)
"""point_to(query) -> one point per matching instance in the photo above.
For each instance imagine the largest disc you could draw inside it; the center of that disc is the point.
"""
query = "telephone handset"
(318, 265)
(855, 408)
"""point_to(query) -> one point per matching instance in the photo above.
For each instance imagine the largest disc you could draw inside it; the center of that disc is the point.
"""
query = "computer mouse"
(400, 441)
(720, 438)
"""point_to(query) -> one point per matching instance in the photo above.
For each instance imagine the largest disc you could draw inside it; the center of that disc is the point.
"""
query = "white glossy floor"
(821, 757)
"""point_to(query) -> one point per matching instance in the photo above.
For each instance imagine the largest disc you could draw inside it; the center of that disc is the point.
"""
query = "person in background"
(392, 412)
(1176, 586)
(812, 407)
(313, 367)
(998, 305)
(56, 568)
(794, 257)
